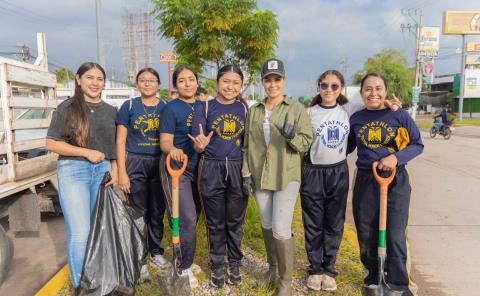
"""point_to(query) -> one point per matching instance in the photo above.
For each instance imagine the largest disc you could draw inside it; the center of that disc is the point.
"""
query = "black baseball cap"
(273, 66)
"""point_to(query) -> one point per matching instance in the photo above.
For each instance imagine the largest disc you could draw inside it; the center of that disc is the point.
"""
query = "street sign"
(168, 57)
(415, 94)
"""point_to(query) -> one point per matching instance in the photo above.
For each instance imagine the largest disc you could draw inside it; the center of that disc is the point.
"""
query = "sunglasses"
(333, 86)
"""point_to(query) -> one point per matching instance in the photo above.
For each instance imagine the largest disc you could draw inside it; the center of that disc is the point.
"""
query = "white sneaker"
(328, 283)
(160, 261)
(195, 268)
(144, 275)
(192, 280)
(314, 282)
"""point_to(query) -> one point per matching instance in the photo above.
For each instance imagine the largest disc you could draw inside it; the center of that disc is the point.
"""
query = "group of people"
(272, 151)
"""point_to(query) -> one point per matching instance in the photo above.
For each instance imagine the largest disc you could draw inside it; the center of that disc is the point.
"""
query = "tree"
(393, 65)
(163, 93)
(64, 74)
(305, 100)
(219, 32)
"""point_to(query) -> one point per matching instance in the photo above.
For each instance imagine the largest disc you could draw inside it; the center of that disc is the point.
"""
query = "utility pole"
(417, 25)
(462, 79)
(100, 54)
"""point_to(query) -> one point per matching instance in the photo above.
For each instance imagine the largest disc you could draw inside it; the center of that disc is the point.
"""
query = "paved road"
(445, 214)
(38, 256)
(444, 227)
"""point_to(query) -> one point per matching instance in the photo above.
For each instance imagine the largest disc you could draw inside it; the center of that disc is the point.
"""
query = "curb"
(55, 284)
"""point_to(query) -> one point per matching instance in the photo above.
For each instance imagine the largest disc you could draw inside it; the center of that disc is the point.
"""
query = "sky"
(315, 35)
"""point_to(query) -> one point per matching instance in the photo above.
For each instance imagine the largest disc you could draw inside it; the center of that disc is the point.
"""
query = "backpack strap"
(206, 109)
(130, 104)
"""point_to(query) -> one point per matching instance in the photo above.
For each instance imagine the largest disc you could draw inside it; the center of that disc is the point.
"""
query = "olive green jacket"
(274, 166)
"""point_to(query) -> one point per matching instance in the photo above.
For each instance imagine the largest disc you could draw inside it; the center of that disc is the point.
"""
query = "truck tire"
(6, 254)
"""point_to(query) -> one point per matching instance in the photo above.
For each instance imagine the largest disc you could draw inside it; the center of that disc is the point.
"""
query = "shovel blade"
(173, 283)
(379, 290)
(372, 290)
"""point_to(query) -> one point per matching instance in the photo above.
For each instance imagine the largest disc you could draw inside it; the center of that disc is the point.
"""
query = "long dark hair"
(232, 68)
(77, 127)
(180, 69)
(341, 99)
(373, 74)
(149, 70)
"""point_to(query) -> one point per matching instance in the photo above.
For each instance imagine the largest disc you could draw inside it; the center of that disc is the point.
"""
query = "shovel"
(175, 282)
(382, 289)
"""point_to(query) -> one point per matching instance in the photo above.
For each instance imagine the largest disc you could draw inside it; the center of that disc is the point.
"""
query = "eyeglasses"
(150, 81)
(333, 86)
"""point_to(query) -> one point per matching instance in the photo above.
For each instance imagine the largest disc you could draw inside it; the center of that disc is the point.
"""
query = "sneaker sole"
(314, 288)
(216, 286)
(329, 289)
(234, 283)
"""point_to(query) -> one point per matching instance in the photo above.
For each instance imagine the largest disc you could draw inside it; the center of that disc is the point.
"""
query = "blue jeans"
(78, 183)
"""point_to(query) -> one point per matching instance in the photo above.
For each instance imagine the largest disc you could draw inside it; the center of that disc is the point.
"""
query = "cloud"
(318, 35)
(315, 35)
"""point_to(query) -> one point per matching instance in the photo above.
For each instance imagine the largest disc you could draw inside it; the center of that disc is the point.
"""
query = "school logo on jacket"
(189, 120)
(147, 123)
(228, 126)
(332, 133)
(376, 134)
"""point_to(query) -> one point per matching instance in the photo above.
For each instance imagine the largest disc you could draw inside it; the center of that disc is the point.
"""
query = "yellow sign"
(473, 46)
(461, 22)
(168, 57)
(429, 38)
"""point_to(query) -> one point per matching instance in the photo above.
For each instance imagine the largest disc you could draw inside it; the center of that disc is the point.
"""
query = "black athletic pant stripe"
(220, 188)
(324, 192)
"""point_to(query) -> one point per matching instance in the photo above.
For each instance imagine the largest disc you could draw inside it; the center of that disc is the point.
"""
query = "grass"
(350, 270)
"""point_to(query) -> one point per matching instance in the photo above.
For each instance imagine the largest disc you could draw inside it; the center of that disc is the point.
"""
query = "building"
(115, 92)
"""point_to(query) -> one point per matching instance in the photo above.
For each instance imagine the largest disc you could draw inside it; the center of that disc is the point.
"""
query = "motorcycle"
(438, 127)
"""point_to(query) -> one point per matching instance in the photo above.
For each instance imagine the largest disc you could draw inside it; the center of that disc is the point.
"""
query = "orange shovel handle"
(383, 182)
(176, 173)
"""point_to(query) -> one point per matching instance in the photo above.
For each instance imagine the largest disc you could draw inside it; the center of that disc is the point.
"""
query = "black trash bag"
(116, 249)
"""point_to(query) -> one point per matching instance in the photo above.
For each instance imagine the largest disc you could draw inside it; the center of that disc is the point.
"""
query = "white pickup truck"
(28, 179)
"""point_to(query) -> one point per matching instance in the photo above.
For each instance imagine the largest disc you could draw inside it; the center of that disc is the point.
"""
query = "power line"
(18, 8)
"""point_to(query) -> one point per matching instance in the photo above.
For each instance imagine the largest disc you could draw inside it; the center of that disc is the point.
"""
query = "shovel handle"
(382, 219)
(383, 182)
(176, 173)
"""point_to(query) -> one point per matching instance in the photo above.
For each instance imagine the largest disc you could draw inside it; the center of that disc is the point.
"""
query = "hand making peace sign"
(201, 141)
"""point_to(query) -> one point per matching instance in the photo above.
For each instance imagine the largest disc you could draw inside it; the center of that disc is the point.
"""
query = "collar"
(286, 100)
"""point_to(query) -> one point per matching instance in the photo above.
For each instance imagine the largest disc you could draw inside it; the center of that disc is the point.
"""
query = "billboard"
(461, 22)
(168, 57)
(429, 39)
(427, 68)
(473, 46)
(472, 59)
(472, 83)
